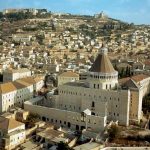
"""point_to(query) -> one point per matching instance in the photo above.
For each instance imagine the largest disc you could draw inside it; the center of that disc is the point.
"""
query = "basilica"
(94, 102)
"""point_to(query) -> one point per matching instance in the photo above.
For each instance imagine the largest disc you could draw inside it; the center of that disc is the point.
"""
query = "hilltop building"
(101, 15)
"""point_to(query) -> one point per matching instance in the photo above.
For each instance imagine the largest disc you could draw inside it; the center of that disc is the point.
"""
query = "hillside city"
(73, 82)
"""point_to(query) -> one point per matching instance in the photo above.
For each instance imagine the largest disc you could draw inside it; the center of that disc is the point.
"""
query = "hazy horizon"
(136, 11)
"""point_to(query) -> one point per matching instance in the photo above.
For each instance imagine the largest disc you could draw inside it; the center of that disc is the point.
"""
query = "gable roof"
(133, 81)
(140, 77)
(18, 84)
(21, 70)
(29, 80)
(132, 84)
(147, 62)
(7, 87)
(9, 123)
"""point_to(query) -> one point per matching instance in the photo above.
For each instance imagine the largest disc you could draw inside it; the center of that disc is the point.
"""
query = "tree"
(1, 15)
(19, 16)
(40, 39)
(113, 132)
(63, 146)
(121, 73)
(45, 81)
(33, 117)
(115, 67)
(127, 72)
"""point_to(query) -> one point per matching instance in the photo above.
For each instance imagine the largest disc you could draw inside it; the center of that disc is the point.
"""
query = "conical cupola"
(102, 63)
(102, 74)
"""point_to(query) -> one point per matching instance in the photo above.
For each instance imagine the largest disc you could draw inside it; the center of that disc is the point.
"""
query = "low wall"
(66, 118)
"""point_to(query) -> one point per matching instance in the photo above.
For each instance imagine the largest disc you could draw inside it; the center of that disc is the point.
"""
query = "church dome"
(102, 63)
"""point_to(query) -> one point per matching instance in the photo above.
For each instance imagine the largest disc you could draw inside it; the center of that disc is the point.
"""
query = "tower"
(102, 74)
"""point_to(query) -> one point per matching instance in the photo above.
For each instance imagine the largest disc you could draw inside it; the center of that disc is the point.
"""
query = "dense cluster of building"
(58, 77)
(99, 99)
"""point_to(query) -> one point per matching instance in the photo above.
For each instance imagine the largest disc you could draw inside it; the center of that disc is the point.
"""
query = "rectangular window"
(93, 104)
(94, 86)
(93, 113)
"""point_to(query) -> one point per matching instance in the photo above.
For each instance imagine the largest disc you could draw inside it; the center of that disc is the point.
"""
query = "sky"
(132, 11)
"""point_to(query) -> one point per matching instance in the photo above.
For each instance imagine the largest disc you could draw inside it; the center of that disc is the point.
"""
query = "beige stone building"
(139, 86)
(16, 92)
(12, 133)
(96, 101)
(21, 37)
(68, 76)
(14, 74)
(87, 104)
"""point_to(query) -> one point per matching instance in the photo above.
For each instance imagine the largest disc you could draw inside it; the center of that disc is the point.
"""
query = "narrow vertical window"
(93, 104)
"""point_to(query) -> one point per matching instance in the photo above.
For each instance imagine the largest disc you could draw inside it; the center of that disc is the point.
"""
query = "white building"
(17, 92)
(37, 82)
(21, 37)
(12, 133)
(14, 74)
(7, 96)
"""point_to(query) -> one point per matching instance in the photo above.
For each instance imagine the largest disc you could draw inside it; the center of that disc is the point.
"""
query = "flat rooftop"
(29, 145)
(77, 84)
(50, 134)
(87, 146)
(126, 148)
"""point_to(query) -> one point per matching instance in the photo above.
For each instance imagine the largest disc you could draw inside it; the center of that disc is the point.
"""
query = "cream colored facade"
(12, 133)
(14, 74)
(90, 104)
(99, 88)
(21, 37)
(7, 101)
(67, 77)
(15, 96)
(39, 83)
(100, 99)
(17, 92)
(66, 118)
(78, 98)
(139, 86)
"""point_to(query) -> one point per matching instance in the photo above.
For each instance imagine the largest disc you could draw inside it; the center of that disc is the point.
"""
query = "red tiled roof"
(136, 78)
(140, 77)
(147, 62)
